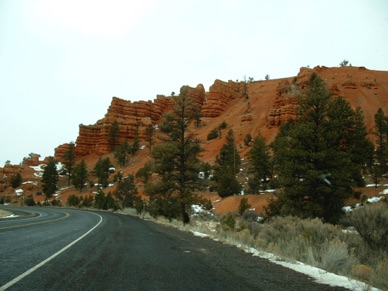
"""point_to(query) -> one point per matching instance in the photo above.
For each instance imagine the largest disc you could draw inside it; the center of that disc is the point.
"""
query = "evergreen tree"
(381, 132)
(69, 160)
(176, 160)
(50, 179)
(126, 191)
(260, 164)
(121, 153)
(101, 171)
(145, 172)
(227, 166)
(16, 180)
(150, 131)
(80, 175)
(315, 156)
(135, 145)
(227, 183)
(114, 134)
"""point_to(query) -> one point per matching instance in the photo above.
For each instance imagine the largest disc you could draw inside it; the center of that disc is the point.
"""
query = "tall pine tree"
(80, 175)
(69, 160)
(176, 160)
(259, 164)
(227, 165)
(317, 158)
(50, 179)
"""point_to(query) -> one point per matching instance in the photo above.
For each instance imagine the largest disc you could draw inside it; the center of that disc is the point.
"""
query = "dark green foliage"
(260, 165)
(345, 63)
(79, 175)
(126, 191)
(165, 205)
(73, 200)
(248, 139)
(101, 171)
(318, 158)
(69, 160)
(135, 146)
(227, 165)
(227, 183)
(16, 180)
(381, 134)
(213, 134)
(228, 157)
(223, 125)
(50, 179)
(145, 172)
(150, 132)
(29, 201)
(87, 201)
(243, 206)
(228, 222)
(176, 160)
(114, 134)
(105, 202)
(121, 153)
(206, 168)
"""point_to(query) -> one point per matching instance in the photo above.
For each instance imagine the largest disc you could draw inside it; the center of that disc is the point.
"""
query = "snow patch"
(199, 234)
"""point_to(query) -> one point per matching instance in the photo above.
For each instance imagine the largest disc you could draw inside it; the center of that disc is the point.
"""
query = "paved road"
(81, 250)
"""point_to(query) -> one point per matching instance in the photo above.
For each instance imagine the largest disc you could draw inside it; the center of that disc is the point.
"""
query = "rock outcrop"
(219, 96)
(255, 106)
(132, 118)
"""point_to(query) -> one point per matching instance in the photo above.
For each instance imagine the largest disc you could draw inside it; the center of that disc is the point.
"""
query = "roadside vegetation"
(315, 164)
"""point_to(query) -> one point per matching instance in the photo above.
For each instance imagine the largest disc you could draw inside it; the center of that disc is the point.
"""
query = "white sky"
(62, 61)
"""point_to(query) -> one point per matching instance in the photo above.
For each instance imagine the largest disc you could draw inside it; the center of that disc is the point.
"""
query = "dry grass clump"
(309, 241)
(360, 254)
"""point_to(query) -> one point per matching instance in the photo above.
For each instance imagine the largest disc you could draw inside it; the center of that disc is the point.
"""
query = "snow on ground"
(384, 192)
(320, 276)
(19, 192)
(375, 199)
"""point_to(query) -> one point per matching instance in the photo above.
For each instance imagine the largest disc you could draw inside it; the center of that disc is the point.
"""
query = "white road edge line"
(20, 277)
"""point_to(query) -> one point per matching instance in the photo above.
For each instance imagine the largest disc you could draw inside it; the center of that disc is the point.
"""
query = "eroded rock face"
(255, 105)
(132, 118)
(219, 96)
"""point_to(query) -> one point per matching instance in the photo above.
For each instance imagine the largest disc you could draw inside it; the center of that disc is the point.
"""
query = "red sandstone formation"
(271, 103)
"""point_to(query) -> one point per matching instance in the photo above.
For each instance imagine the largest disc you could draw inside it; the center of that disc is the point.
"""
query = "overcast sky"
(62, 61)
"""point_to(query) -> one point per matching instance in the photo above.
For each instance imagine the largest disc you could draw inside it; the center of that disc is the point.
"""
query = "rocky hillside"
(246, 107)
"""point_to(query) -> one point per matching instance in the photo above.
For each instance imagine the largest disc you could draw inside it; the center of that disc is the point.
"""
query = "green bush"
(243, 206)
(228, 222)
(213, 134)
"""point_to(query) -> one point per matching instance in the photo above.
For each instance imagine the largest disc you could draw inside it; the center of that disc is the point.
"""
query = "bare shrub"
(379, 276)
(371, 223)
(310, 241)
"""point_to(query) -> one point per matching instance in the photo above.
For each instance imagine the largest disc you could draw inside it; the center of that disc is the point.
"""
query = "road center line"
(39, 222)
(20, 277)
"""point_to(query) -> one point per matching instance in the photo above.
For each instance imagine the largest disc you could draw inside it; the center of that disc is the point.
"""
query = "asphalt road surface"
(66, 249)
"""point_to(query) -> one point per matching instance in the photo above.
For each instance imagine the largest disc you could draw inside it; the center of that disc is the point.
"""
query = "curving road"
(67, 249)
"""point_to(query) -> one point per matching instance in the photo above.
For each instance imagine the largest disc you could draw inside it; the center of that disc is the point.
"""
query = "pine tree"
(381, 132)
(80, 175)
(69, 160)
(114, 134)
(260, 164)
(226, 167)
(16, 180)
(121, 153)
(176, 160)
(150, 131)
(50, 179)
(126, 191)
(316, 158)
(101, 170)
